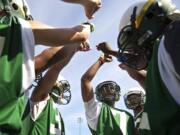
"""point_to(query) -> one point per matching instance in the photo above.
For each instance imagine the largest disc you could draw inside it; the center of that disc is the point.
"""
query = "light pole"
(79, 120)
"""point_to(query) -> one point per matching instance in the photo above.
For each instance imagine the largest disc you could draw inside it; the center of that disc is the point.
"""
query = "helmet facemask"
(141, 35)
(107, 91)
(61, 93)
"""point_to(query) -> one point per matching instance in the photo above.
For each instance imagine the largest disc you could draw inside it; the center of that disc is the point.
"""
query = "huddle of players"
(148, 50)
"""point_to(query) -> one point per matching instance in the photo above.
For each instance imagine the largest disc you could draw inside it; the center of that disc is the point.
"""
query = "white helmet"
(110, 87)
(142, 5)
(141, 26)
(61, 91)
(138, 99)
(126, 17)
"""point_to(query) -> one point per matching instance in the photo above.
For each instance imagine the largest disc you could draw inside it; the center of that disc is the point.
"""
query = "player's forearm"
(86, 86)
(50, 36)
(141, 79)
(57, 37)
(41, 92)
(51, 56)
(61, 64)
(86, 91)
(91, 72)
(47, 82)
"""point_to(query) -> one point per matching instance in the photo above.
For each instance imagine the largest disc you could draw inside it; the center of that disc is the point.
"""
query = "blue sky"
(61, 14)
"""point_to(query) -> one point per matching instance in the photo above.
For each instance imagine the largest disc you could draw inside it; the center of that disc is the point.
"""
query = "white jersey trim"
(28, 51)
(36, 108)
(92, 112)
(144, 124)
(167, 71)
(123, 122)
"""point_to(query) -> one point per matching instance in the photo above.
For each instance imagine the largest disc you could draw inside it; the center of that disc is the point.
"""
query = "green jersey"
(161, 112)
(10, 116)
(114, 121)
(13, 61)
(49, 121)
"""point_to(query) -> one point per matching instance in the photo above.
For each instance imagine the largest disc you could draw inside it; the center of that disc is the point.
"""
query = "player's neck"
(137, 110)
(110, 103)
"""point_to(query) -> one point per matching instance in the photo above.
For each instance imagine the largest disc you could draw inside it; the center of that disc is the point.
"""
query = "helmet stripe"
(143, 11)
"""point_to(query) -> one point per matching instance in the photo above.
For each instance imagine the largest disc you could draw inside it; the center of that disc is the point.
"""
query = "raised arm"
(52, 55)
(86, 86)
(90, 6)
(60, 56)
(139, 76)
(50, 36)
(41, 92)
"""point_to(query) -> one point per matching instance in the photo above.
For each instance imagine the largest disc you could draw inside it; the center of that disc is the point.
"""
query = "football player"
(41, 115)
(149, 40)
(18, 36)
(102, 116)
(134, 99)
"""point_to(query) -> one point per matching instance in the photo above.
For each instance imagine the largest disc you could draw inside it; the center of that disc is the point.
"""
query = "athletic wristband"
(92, 27)
(101, 60)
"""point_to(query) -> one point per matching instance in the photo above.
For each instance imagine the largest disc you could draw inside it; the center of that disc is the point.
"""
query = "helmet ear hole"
(129, 32)
(150, 15)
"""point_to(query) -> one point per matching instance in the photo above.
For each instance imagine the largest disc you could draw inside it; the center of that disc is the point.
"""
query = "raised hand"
(84, 46)
(105, 58)
(139, 76)
(85, 29)
(91, 6)
(104, 47)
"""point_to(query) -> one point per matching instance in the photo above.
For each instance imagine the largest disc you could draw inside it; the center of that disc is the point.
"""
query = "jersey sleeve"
(92, 111)
(168, 60)
(28, 51)
(172, 44)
